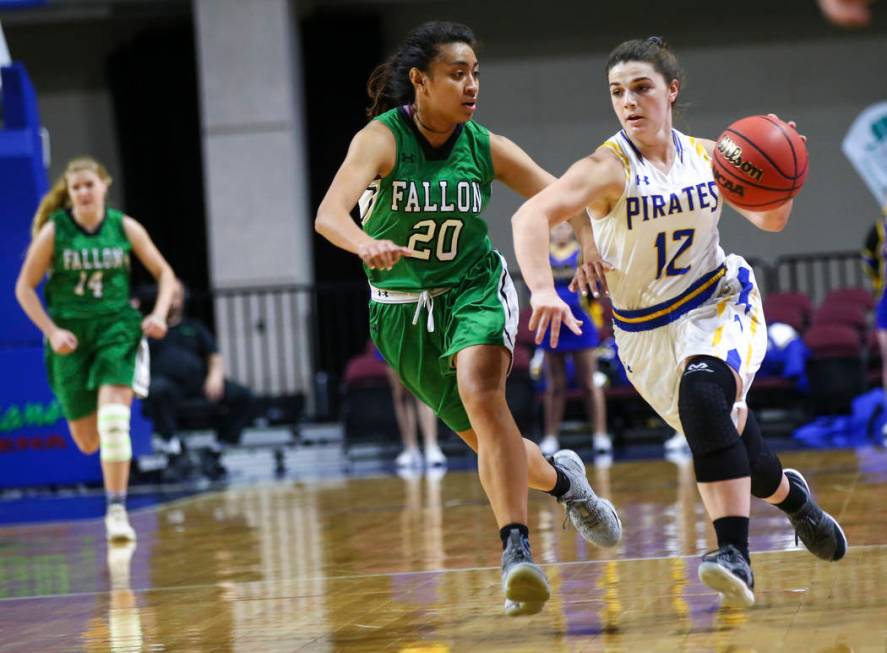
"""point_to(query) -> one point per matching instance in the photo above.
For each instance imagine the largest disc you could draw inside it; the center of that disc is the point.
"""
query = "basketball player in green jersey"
(444, 311)
(95, 357)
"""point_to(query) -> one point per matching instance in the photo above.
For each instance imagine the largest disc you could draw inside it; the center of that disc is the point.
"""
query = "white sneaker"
(434, 457)
(117, 524)
(549, 445)
(409, 458)
(602, 443)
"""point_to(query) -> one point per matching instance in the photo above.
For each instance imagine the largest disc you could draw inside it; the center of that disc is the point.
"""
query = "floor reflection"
(411, 564)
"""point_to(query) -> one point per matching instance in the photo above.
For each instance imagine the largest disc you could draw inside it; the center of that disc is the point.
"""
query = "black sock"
(797, 497)
(733, 530)
(562, 485)
(505, 531)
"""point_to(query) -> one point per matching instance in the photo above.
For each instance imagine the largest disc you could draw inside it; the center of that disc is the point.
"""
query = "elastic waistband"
(384, 296)
(644, 319)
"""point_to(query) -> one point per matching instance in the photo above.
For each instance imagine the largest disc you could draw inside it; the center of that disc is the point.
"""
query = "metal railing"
(817, 274)
(276, 339)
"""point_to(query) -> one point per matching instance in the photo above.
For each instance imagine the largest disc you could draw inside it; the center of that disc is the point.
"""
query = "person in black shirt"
(187, 365)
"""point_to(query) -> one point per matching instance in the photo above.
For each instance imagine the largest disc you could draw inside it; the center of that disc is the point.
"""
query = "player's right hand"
(62, 342)
(382, 254)
(550, 311)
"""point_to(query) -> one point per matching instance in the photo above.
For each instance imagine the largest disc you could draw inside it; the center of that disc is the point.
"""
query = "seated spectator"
(786, 355)
(187, 365)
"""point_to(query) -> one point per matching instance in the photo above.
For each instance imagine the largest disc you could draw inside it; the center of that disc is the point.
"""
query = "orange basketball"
(759, 163)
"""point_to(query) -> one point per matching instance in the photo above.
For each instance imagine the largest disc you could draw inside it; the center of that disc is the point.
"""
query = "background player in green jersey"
(93, 336)
(421, 172)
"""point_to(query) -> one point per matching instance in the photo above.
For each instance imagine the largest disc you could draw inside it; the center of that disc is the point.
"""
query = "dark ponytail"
(389, 84)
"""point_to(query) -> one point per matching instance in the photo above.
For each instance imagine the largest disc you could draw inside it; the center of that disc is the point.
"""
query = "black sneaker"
(524, 583)
(818, 530)
(726, 571)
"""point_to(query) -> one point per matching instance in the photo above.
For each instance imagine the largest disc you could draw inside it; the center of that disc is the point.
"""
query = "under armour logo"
(409, 158)
(699, 367)
(638, 180)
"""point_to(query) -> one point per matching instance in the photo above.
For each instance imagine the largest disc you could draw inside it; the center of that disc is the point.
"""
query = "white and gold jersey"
(675, 295)
(662, 235)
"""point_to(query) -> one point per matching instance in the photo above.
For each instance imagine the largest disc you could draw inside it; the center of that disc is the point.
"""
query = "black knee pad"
(765, 466)
(705, 400)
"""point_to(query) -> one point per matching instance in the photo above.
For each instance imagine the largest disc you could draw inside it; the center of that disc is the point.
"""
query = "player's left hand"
(550, 311)
(591, 274)
(154, 326)
(790, 123)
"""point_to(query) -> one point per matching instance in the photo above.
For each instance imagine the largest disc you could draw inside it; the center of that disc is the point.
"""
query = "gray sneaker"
(818, 530)
(524, 583)
(594, 518)
(727, 572)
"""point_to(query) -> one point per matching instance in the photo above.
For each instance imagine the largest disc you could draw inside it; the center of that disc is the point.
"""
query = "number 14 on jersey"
(92, 281)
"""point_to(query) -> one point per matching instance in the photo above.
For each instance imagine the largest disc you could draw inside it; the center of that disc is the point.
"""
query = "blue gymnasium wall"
(22, 183)
(21, 4)
(35, 446)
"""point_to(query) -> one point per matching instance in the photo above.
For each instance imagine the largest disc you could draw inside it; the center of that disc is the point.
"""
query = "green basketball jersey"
(89, 275)
(431, 202)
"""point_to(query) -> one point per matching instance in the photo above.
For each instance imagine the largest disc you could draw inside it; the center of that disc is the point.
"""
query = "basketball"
(759, 163)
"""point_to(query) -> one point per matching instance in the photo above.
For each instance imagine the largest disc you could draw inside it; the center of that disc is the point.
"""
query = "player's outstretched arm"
(371, 155)
(591, 179)
(517, 170)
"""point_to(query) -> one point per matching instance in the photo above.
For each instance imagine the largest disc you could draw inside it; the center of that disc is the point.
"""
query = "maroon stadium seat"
(365, 369)
(835, 367)
(827, 340)
(861, 297)
(797, 299)
(849, 315)
(789, 314)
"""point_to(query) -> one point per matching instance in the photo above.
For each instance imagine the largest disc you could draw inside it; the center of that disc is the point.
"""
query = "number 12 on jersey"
(682, 236)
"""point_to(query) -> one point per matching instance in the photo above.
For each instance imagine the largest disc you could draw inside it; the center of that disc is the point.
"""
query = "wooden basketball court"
(412, 565)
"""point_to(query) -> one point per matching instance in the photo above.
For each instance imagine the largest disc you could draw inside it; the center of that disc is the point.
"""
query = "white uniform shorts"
(728, 325)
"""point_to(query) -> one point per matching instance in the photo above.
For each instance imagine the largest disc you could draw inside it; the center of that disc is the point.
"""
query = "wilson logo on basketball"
(733, 154)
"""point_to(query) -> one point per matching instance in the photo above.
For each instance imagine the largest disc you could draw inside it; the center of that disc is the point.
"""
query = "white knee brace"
(116, 446)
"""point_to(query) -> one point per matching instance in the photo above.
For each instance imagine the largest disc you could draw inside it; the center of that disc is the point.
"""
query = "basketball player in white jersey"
(688, 319)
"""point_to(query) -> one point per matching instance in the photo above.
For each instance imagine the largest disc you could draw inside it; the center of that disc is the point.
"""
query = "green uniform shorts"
(106, 353)
(481, 309)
